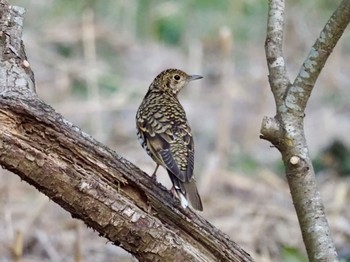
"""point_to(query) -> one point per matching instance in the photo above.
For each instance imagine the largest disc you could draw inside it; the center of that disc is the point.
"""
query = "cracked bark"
(286, 130)
(90, 181)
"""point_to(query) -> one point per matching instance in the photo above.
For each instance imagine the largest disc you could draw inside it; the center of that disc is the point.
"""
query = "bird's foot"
(154, 174)
(173, 192)
(154, 177)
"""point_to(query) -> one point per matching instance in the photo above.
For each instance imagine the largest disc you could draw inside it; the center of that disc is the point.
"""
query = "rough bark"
(286, 130)
(90, 181)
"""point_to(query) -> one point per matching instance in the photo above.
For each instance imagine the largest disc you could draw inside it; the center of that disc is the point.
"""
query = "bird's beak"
(195, 77)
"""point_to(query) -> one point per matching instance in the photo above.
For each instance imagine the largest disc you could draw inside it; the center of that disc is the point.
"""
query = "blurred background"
(93, 62)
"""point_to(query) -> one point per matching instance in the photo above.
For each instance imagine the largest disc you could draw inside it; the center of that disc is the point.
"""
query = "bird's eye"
(177, 77)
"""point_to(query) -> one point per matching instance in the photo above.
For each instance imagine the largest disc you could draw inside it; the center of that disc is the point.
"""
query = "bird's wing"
(171, 145)
(180, 153)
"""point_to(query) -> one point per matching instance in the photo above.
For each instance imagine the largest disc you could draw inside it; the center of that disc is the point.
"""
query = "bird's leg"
(154, 175)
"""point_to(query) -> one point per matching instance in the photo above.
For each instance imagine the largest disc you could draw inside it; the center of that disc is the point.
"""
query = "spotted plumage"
(164, 132)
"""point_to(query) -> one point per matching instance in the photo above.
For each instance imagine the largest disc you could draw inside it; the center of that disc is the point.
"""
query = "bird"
(165, 134)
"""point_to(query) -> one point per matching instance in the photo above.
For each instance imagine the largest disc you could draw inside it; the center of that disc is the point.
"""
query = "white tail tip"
(183, 200)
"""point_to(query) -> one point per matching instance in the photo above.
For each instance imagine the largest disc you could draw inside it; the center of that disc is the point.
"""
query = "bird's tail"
(192, 195)
(187, 192)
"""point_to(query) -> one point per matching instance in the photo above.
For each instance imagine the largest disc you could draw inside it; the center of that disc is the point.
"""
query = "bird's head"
(173, 80)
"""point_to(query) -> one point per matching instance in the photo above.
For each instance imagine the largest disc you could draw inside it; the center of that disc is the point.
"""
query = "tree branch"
(90, 181)
(278, 78)
(286, 129)
(318, 56)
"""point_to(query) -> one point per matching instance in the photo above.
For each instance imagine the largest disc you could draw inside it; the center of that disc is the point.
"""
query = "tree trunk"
(286, 130)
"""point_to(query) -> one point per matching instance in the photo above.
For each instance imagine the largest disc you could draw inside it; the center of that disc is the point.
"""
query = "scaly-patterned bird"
(164, 132)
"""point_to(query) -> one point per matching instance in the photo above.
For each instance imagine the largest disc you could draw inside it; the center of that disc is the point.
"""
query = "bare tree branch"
(286, 129)
(90, 181)
(318, 56)
(273, 46)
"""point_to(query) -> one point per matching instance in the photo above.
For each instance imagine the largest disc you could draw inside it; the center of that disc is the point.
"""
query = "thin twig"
(89, 45)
